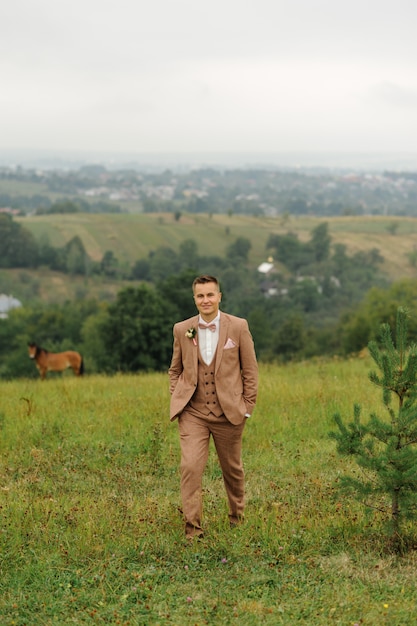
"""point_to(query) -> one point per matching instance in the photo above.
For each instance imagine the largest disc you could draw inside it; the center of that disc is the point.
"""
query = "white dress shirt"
(208, 339)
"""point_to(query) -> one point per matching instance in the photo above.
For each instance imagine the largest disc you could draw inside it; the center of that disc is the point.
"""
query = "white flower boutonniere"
(191, 334)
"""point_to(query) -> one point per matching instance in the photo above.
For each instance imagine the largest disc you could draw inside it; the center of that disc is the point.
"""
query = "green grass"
(91, 531)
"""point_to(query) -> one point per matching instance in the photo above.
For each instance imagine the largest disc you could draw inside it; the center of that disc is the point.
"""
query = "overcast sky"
(224, 75)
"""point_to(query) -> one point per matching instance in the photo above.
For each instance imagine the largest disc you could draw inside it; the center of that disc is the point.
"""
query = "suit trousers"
(195, 435)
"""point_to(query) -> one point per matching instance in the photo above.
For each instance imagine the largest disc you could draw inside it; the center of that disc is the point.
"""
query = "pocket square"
(229, 344)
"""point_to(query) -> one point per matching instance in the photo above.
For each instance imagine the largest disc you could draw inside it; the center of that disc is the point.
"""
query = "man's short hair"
(205, 278)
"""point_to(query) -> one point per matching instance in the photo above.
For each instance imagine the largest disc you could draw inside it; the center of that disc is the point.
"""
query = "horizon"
(328, 160)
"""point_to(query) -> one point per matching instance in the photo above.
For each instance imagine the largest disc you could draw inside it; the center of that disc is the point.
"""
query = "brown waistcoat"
(205, 398)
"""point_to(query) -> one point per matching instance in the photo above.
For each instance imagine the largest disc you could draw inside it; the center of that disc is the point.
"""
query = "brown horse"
(55, 361)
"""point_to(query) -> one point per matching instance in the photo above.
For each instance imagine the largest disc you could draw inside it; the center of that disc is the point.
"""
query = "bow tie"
(211, 327)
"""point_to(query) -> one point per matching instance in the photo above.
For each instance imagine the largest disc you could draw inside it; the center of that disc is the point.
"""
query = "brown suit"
(235, 368)
(233, 379)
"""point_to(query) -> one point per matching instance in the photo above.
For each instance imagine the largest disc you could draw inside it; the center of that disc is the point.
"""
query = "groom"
(213, 384)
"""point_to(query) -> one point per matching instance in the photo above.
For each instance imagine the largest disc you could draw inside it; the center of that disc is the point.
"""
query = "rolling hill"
(133, 236)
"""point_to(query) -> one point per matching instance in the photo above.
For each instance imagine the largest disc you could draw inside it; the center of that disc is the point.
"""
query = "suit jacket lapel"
(195, 348)
(223, 330)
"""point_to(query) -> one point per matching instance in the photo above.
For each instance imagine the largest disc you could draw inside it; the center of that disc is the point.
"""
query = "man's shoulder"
(190, 321)
(233, 319)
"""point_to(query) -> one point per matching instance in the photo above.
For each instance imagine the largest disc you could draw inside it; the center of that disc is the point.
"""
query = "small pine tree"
(385, 449)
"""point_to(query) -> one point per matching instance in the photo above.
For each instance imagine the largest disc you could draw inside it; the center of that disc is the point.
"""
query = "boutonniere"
(191, 333)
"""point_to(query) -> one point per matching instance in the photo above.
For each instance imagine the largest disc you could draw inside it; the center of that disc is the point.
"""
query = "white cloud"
(396, 95)
(226, 75)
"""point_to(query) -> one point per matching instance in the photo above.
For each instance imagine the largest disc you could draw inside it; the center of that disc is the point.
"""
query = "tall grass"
(91, 530)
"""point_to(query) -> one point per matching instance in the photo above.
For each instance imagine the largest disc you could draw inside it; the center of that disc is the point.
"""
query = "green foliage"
(289, 339)
(77, 205)
(392, 228)
(18, 247)
(13, 347)
(333, 281)
(135, 334)
(53, 327)
(109, 264)
(175, 291)
(188, 254)
(92, 534)
(238, 251)
(61, 206)
(379, 306)
(305, 294)
(386, 449)
(77, 259)
(163, 262)
(289, 250)
(349, 438)
(320, 242)
(299, 321)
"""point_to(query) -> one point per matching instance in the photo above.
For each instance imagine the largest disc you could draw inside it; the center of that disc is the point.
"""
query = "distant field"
(22, 188)
(133, 236)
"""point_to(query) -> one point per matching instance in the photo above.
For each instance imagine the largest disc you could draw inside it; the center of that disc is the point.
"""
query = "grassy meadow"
(91, 531)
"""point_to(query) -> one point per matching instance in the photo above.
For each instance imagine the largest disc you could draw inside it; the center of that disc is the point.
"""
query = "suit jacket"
(235, 368)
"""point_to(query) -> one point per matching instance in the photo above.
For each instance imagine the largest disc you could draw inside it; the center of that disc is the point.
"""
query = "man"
(213, 384)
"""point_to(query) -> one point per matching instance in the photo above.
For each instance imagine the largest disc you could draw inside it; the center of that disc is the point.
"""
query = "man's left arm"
(176, 366)
(249, 369)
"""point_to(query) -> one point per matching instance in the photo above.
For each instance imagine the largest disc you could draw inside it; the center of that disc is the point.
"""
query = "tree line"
(318, 301)
(134, 333)
(19, 248)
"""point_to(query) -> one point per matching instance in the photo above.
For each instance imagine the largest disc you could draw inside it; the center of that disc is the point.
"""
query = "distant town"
(256, 191)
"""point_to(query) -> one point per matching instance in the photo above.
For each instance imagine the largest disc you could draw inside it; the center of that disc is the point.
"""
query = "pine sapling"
(385, 449)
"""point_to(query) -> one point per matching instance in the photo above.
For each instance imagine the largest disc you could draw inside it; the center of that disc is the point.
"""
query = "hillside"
(134, 236)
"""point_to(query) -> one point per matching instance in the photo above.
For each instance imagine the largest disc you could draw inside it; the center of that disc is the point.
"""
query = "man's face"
(207, 298)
